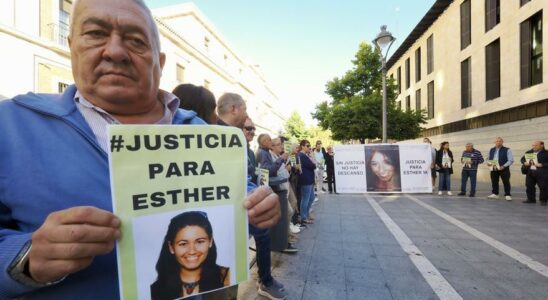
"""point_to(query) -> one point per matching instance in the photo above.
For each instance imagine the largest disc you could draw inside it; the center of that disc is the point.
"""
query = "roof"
(429, 18)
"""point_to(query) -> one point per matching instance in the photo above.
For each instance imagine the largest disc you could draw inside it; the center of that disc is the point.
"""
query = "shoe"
(461, 194)
(449, 193)
(294, 229)
(472, 195)
(275, 283)
(543, 203)
(508, 198)
(493, 196)
(301, 226)
(529, 201)
(290, 249)
(440, 193)
(271, 292)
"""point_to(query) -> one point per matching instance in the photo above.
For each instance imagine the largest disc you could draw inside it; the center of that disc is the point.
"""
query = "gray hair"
(226, 101)
(148, 14)
(470, 144)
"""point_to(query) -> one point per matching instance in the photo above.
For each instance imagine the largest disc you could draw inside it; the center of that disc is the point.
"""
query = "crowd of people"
(500, 158)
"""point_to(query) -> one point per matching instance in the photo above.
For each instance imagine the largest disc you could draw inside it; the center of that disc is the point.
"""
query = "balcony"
(59, 33)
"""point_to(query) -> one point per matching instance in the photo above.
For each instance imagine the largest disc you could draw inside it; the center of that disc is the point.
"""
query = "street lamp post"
(384, 40)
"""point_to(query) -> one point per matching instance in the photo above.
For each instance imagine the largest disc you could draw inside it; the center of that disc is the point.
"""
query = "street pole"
(384, 113)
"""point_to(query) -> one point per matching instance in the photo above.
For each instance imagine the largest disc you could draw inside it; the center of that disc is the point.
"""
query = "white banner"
(380, 168)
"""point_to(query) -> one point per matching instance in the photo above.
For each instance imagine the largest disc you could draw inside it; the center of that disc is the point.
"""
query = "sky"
(300, 45)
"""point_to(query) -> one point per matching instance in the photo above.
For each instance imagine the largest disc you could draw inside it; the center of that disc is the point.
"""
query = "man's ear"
(162, 60)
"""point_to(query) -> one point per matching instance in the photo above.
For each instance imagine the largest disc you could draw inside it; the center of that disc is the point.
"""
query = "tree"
(355, 111)
(295, 128)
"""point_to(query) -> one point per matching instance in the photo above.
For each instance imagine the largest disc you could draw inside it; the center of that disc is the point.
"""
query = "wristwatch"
(19, 269)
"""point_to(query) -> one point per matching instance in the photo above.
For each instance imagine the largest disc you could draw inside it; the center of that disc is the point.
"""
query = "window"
(492, 14)
(61, 87)
(465, 24)
(399, 80)
(407, 73)
(65, 7)
(430, 55)
(418, 65)
(430, 88)
(418, 100)
(180, 73)
(531, 51)
(408, 103)
(523, 2)
(492, 70)
(465, 84)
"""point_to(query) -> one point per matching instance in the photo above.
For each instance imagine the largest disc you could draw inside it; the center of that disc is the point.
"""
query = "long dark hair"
(168, 284)
(198, 99)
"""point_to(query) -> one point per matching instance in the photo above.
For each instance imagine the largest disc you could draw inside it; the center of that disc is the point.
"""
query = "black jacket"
(439, 160)
(542, 157)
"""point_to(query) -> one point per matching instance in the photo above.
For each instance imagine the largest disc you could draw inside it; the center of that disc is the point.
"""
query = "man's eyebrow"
(97, 21)
(125, 28)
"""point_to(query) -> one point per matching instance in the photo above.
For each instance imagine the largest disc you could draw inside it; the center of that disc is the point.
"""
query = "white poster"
(381, 168)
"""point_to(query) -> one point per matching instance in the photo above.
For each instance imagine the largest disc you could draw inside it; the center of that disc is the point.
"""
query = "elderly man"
(57, 231)
(502, 170)
(537, 173)
(470, 160)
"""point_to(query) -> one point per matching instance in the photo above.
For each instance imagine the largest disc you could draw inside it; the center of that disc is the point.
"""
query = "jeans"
(262, 245)
(307, 197)
(445, 180)
(472, 174)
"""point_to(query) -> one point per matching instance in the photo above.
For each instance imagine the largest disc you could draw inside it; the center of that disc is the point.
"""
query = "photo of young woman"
(383, 168)
(188, 259)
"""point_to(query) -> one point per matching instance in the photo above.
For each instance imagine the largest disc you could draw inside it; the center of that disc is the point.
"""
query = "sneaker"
(449, 193)
(440, 193)
(301, 226)
(461, 194)
(275, 283)
(271, 292)
(294, 229)
(493, 196)
(508, 198)
(290, 249)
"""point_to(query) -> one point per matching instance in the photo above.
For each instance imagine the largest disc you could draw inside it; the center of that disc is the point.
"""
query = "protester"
(319, 156)
(198, 99)
(433, 163)
(57, 231)
(501, 169)
(189, 234)
(536, 173)
(470, 159)
(330, 167)
(249, 133)
(280, 232)
(306, 181)
(295, 162)
(444, 165)
(232, 111)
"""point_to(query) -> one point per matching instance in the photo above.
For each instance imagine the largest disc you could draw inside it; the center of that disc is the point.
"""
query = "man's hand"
(263, 207)
(68, 241)
(285, 156)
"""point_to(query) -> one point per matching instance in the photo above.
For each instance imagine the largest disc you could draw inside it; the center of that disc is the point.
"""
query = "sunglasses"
(249, 128)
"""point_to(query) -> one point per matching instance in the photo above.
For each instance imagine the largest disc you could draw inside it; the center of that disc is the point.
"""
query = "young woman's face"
(382, 166)
(191, 246)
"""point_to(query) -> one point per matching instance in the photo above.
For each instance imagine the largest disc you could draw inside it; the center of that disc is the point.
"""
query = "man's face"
(277, 147)
(115, 62)
(498, 142)
(240, 113)
(536, 146)
(469, 147)
(318, 146)
(249, 130)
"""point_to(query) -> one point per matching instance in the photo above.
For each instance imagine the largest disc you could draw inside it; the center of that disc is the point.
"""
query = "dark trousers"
(262, 245)
(472, 174)
(331, 181)
(279, 232)
(540, 178)
(503, 174)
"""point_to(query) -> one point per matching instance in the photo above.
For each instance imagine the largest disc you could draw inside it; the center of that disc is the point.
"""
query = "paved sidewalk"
(350, 254)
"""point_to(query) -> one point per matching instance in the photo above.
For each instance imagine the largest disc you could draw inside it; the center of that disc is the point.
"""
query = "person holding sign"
(470, 160)
(306, 181)
(500, 160)
(187, 262)
(444, 165)
(57, 229)
(536, 163)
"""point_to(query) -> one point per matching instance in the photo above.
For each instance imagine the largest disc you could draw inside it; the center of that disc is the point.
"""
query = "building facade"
(475, 67)
(35, 56)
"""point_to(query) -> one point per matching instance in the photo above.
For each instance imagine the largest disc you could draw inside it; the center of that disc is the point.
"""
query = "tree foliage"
(355, 111)
(296, 130)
